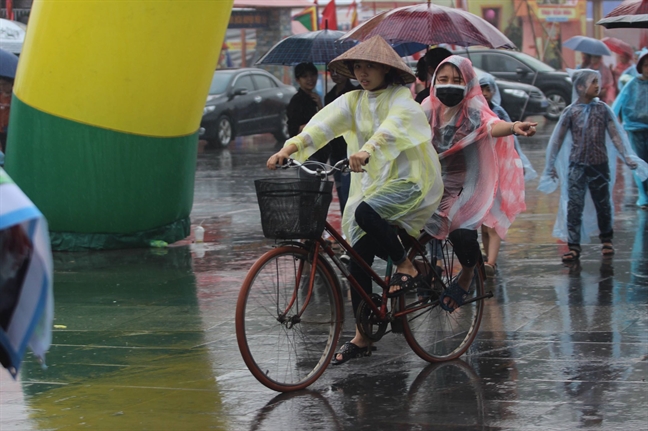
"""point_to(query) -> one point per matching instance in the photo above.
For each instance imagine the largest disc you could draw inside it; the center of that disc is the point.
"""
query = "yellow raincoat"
(402, 182)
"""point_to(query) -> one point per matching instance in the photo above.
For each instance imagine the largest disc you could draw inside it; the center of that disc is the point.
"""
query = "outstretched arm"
(505, 128)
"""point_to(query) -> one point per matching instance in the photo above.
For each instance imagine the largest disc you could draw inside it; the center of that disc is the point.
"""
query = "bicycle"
(290, 311)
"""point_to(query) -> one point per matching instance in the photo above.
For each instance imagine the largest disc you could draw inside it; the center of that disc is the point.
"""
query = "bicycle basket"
(293, 208)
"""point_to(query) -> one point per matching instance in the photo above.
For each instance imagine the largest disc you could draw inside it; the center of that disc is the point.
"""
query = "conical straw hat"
(377, 50)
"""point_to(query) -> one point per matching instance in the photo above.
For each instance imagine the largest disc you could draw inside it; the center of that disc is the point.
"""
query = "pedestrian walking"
(477, 158)
(631, 107)
(581, 156)
(490, 239)
(304, 104)
(387, 137)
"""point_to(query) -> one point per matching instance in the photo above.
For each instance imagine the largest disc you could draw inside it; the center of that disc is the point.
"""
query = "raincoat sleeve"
(404, 127)
(621, 143)
(548, 180)
(330, 122)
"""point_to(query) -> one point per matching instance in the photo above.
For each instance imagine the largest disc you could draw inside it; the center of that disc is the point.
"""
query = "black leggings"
(466, 246)
(380, 240)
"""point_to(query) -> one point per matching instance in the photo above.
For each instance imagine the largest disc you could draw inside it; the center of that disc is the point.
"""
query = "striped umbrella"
(431, 25)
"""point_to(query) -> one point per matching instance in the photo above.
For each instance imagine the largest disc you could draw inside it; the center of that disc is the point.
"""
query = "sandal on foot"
(454, 292)
(571, 256)
(607, 249)
(350, 351)
(490, 269)
(406, 283)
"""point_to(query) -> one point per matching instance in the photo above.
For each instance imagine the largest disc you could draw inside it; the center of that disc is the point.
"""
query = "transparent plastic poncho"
(558, 158)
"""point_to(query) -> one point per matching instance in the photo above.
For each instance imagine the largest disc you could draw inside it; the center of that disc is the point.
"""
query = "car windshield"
(535, 63)
(220, 81)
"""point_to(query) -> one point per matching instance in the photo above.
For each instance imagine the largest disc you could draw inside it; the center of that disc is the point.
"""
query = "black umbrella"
(8, 64)
(317, 47)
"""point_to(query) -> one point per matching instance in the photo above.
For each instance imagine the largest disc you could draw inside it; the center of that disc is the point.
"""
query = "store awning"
(271, 3)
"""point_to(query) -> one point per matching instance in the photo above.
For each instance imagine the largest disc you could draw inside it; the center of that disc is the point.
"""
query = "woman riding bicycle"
(482, 173)
(401, 186)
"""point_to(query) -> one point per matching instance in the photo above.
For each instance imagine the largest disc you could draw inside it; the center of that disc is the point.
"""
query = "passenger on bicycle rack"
(402, 183)
(474, 169)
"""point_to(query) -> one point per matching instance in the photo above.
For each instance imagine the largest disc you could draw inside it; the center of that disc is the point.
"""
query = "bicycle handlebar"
(342, 166)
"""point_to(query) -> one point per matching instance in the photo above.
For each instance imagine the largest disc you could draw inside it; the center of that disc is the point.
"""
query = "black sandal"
(454, 292)
(607, 249)
(350, 351)
(571, 256)
(406, 283)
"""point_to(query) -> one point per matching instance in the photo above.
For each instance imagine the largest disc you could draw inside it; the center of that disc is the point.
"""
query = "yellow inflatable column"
(105, 116)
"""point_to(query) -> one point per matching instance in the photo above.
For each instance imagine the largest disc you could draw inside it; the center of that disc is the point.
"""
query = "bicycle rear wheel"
(286, 351)
(433, 333)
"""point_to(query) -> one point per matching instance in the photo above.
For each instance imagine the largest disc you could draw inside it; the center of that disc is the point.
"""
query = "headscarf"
(475, 167)
(557, 157)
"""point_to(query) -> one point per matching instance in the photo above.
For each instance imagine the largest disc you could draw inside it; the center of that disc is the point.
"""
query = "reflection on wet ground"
(145, 338)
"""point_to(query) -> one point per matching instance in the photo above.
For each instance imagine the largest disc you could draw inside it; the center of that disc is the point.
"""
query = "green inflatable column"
(104, 120)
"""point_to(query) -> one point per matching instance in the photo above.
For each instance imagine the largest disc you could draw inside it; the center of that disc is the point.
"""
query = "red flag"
(329, 17)
(10, 14)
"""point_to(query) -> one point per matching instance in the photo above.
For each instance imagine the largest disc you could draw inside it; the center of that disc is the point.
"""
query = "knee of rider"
(363, 215)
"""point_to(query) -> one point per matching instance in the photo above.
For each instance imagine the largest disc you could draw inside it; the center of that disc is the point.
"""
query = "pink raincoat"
(483, 176)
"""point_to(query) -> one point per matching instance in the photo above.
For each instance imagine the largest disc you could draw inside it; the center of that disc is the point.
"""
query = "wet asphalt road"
(145, 338)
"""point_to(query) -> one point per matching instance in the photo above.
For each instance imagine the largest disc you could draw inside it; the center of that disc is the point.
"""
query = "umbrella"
(587, 45)
(8, 64)
(629, 14)
(12, 35)
(618, 46)
(431, 25)
(318, 47)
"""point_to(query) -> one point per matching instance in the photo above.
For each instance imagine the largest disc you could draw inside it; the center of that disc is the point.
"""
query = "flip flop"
(350, 351)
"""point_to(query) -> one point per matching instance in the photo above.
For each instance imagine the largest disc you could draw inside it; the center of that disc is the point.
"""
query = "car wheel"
(225, 131)
(557, 103)
(282, 134)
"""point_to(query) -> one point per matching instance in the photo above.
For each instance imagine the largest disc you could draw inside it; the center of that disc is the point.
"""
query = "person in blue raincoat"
(26, 299)
(581, 157)
(490, 238)
(631, 107)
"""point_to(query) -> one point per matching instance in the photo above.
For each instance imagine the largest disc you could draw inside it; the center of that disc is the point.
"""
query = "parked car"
(514, 97)
(520, 67)
(245, 101)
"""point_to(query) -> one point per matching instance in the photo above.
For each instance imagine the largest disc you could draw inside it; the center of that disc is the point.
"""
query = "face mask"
(450, 95)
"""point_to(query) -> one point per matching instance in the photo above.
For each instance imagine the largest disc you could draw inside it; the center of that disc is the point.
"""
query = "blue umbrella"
(587, 45)
(8, 64)
(318, 47)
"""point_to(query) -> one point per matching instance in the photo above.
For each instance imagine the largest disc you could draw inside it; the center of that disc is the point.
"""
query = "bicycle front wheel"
(433, 333)
(286, 350)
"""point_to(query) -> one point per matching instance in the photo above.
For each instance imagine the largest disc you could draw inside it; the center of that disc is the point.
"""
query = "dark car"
(520, 67)
(245, 101)
(514, 97)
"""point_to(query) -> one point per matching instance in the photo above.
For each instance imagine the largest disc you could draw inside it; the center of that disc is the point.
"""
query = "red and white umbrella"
(431, 25)
(629, 14)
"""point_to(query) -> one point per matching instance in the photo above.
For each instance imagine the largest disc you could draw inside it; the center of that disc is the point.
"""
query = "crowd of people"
(448, 160)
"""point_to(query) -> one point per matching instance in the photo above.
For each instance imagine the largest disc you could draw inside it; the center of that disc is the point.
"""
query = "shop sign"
(554, 10)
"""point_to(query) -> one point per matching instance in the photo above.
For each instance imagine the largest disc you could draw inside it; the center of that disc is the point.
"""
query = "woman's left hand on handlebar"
(277, 159)
(358, 160)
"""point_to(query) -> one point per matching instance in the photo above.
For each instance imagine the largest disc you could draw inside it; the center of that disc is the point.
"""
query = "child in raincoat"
(631, 107)
(581, 155)
(482, 174)
(387, 136)
(490, 239)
